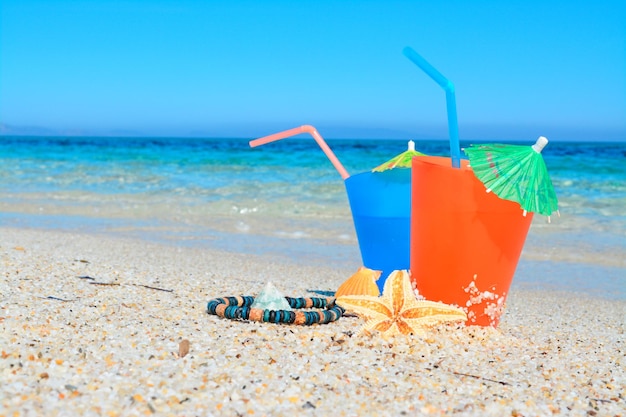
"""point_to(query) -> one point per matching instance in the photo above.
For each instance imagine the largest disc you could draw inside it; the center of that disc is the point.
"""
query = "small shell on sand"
(363, 282)
(183, 348)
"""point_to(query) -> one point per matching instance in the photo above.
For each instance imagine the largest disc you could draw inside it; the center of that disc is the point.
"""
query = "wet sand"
(93, 325)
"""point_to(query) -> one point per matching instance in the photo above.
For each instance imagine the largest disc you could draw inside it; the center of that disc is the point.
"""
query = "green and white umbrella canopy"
(516, 173)
(402, 160)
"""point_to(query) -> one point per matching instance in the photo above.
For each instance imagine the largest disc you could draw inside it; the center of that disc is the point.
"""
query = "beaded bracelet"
(239, 308)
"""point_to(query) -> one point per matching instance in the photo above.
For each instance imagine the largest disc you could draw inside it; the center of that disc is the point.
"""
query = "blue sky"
(249, 68)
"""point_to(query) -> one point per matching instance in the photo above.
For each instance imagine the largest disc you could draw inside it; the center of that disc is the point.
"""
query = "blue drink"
(381, 210)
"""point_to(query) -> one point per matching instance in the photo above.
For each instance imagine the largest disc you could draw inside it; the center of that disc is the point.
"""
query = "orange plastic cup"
(465, 242)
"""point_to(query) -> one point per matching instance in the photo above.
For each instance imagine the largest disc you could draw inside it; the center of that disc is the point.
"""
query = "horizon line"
(438, 133)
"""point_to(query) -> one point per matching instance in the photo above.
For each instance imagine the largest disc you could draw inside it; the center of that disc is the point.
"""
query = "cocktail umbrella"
(517, 173)
(400, 161)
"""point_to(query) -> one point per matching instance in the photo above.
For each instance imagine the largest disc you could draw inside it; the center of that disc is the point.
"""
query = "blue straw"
(453, 126)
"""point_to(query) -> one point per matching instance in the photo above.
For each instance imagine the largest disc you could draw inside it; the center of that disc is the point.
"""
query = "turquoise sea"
(286, 200)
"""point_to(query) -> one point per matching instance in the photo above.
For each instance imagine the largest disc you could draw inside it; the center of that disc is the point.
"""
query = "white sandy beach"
(75, 346)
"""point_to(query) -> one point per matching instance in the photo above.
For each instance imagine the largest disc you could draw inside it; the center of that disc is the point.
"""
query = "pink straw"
(304, 129)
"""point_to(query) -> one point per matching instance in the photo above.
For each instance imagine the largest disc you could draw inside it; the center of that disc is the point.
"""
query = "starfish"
(398, 310)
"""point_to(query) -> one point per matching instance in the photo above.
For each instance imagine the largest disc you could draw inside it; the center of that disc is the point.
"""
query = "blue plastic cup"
(381, 211)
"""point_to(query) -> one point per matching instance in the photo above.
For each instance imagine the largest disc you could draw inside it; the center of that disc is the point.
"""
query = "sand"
(96, 325)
